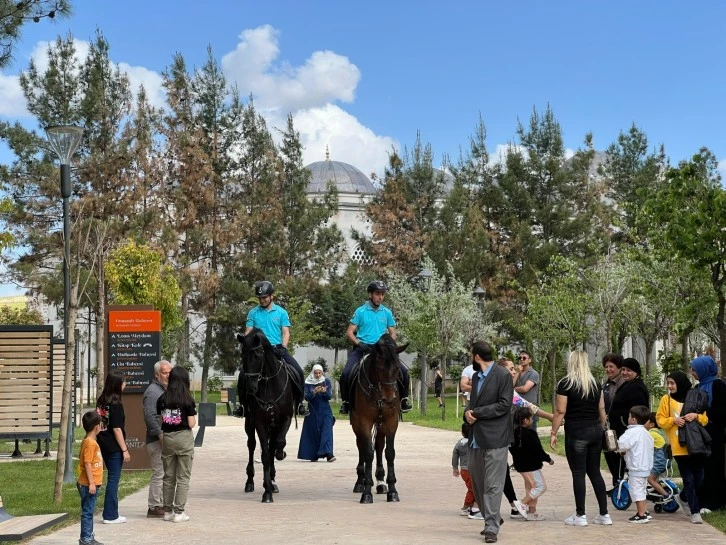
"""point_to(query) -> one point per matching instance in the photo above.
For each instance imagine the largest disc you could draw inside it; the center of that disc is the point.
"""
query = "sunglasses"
(523, 358)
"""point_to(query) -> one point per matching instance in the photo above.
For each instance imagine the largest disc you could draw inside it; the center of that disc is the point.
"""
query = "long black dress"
(713, 495)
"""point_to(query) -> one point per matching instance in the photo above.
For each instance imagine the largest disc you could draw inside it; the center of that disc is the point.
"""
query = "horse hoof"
(267, 497)
(280, 455)
(393, 496)
(275, 489)
(358, 488)
(381, 489)
(250, 487)
(366, 498)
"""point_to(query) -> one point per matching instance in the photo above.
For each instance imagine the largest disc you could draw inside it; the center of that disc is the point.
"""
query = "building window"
(359, 256)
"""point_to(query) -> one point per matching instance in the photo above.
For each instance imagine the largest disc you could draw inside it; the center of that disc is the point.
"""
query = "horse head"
(385, 357)
(255, 351)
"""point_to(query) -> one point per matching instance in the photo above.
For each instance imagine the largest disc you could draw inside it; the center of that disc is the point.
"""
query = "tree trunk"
(552, 358)
(684, 348)
(101, 329)
(66, 398)
(649, 360)
(443, 388)
(183, 351)
(424, 387)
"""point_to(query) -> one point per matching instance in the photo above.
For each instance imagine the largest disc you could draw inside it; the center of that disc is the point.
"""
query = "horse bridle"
(264, 378)
(372, 388)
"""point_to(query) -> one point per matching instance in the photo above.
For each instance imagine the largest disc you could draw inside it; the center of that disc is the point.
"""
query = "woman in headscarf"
(670, 419)
(316, 440)
(704, 368)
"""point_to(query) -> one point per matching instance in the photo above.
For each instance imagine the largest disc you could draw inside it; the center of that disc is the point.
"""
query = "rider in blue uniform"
(371, 320)
(274, 322)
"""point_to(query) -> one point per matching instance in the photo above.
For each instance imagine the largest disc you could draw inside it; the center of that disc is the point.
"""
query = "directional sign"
(134, 346)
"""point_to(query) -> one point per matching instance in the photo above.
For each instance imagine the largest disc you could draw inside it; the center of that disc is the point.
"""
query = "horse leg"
(280, 438)
(267, 465)
(359, 469)
(381, 488)
(250, 431)
(365, 446)
(390, 456)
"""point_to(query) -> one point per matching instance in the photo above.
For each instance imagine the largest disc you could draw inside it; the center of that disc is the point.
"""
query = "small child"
(459, 461)
(659, 456)
(637, 445)
(528, 455)
(90, 476)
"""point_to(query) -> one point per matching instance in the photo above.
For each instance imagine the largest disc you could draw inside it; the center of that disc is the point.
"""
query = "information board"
(134, 346)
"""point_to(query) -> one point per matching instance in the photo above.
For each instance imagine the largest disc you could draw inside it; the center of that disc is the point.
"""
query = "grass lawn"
(26, 487)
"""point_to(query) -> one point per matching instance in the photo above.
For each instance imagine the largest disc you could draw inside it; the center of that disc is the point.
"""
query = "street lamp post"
(64, 140)
(479, 294)
(422, 281)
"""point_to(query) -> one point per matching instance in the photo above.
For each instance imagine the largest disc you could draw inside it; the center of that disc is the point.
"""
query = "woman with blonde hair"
(580, 398)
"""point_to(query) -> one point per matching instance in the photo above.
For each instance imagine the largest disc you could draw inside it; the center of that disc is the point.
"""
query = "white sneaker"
(168, 516)
(696, 518)
(119, 520)
(464, 512)
(574, 520)
(521, 508)
(476, 515)
(705, 510)
(181, 517)
(602, 519)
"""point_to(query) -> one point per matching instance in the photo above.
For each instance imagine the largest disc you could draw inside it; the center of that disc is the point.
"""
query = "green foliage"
(137, 276)
(670, 361)
(317, 361)
(214, 383)
(655, 382)
(12, 315)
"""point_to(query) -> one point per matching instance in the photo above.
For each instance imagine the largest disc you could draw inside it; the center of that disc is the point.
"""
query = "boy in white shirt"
(637, 446)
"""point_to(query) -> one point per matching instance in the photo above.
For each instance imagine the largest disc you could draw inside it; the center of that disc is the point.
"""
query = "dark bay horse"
(374, 417)
(268, 405)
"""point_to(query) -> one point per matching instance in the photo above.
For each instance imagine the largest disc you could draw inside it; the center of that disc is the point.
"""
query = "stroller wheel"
(620, 496)
(672, 506)
(658, 508)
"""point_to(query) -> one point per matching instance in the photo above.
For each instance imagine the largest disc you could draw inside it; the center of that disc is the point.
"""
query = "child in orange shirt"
(90, 476)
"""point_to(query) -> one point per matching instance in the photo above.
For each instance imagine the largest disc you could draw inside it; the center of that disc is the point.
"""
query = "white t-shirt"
(468, 372)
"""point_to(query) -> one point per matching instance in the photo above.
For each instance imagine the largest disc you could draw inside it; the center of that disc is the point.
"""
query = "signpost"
(133, 346)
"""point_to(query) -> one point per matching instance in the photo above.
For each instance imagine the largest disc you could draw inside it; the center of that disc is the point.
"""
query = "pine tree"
(15, 14)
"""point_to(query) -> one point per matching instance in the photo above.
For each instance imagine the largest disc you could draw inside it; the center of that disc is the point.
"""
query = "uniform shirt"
(90, 454)
(372, 323)
(270, 321)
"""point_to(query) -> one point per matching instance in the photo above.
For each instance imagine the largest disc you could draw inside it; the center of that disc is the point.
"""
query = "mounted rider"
(369, 322)
(274, 322)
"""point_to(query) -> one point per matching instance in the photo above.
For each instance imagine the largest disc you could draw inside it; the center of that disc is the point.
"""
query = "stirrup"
(345, 408)
(239, 412)
(406, 405)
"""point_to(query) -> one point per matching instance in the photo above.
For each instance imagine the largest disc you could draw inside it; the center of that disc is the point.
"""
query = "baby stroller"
(621, 499)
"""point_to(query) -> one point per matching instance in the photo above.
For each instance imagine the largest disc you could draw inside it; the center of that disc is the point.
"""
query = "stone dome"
(347, 178)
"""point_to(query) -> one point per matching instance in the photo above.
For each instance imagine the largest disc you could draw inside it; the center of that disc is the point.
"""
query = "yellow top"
(90, 454)
(668, 410)
(658, 439)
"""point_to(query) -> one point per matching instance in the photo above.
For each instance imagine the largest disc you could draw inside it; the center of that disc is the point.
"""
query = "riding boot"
(405, 400)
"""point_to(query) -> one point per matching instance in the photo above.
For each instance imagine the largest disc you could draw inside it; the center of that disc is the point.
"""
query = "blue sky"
(362, 77)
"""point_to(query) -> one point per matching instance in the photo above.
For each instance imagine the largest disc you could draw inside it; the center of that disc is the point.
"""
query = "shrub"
(318, 361)
(214, 383)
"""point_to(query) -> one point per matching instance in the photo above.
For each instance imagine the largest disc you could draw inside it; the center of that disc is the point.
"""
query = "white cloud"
(324, 77)
(347, 139)
(12, 101)
(501, 151)
(152, 82)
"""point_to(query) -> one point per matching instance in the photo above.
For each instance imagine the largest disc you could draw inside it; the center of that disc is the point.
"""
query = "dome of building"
(347, 178)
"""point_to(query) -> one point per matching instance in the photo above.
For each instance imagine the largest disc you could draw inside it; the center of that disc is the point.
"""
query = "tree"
(687, 218)
(14, 14)
(136, 275)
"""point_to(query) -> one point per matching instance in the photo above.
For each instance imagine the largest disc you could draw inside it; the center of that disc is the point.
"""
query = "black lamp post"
(479, 294)
(64, 140)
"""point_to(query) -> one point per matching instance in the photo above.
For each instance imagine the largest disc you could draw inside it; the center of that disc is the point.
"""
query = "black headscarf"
(683, 384)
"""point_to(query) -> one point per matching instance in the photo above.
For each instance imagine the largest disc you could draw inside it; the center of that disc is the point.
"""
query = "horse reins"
(369, 392)
(265, 378)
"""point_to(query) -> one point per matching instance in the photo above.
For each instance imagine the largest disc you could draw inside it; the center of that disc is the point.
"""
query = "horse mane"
(386, 347)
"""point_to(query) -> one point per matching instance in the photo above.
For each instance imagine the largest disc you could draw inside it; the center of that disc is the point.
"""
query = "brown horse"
(374, 417)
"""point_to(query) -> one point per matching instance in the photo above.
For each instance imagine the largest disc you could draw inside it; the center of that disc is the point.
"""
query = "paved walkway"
(316, 504)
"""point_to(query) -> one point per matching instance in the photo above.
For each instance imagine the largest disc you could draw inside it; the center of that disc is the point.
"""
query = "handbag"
(609, 438)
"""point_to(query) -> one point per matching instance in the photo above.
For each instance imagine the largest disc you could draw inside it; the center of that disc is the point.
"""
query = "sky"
(364, 78)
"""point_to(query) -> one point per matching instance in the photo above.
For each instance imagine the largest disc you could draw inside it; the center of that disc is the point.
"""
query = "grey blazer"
(492, 408)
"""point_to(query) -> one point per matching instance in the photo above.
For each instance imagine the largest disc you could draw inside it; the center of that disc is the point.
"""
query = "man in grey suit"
(490, 414)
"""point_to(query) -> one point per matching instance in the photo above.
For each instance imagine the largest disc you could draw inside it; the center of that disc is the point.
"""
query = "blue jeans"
(88, 506)
(113, 461)
(583, 448)
(691, 468)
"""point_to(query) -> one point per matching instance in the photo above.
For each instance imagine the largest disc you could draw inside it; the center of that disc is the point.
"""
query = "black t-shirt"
(174, 418)
(582, 412)
(112, 416)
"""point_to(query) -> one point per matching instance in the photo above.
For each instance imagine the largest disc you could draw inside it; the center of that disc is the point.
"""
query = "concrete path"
(316, 504)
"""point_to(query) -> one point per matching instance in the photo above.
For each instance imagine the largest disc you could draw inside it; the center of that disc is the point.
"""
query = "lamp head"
(64, 140)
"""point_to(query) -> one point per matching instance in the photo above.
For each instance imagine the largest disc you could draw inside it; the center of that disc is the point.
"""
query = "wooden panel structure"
(26, 371)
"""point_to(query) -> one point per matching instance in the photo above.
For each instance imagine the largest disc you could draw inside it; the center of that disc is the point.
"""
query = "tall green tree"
(687, 218)
(15, 14)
